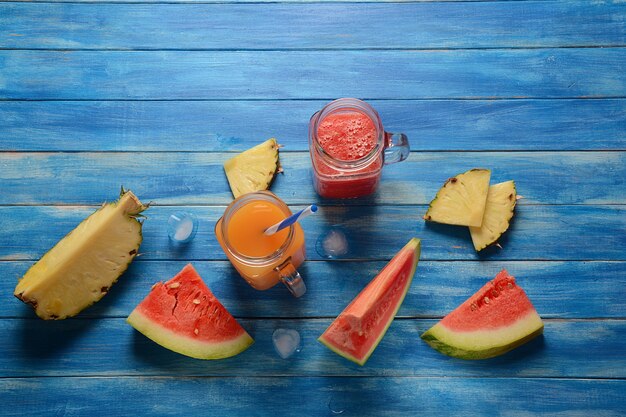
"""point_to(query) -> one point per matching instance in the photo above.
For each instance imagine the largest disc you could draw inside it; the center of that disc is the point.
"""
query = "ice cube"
(286, 342)
(332, 244)
(182, 227)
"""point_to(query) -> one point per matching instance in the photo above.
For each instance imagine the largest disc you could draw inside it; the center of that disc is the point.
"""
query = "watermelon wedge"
(184, 316)
(359, 328)
(496, 319)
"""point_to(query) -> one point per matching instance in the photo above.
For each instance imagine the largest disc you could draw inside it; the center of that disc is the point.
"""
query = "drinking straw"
(291, 220)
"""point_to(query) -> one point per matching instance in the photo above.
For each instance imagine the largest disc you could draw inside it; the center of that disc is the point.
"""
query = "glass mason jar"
(242, 226)
(338, 176)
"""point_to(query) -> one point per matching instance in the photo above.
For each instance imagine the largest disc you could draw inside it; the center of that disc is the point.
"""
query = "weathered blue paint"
(367, 74)
(460, 78)
(198, 178)
(373, 232)
(319, 396)
(123, 351)
(311, 26)
(438, 288)
(431, 125)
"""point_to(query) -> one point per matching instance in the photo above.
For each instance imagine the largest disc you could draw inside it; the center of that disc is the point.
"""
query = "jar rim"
(347, 104)
(238, 203)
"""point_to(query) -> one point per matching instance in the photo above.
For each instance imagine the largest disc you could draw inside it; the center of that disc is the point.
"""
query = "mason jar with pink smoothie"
(349, 147)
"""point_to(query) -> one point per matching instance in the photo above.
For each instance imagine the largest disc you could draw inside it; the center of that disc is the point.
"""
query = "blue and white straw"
(291, 220)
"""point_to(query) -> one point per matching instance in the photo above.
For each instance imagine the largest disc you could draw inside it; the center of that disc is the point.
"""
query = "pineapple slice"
(254, 169)
(461, 200)
(501, 201)
(81, 267)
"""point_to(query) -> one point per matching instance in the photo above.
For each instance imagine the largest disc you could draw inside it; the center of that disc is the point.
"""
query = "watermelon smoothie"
(262, 260)
(349, 147)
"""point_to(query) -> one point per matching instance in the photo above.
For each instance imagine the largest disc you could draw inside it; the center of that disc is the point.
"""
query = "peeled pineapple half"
(254, 169)
(461, 200)
(501, 201)
(81, 267)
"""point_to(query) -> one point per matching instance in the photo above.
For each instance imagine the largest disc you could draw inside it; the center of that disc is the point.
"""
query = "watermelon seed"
(174, 285)
(486, 300)
(196, 331)
(474, 307)
(495, 293)
(196, 301)
(509, 285)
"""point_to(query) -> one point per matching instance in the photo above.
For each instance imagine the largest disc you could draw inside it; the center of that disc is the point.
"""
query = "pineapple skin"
(33, 287)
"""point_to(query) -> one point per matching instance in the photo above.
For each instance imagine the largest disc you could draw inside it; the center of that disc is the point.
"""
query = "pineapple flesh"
(81, 267)
(461, 201)
(254, 169)
(501, 201)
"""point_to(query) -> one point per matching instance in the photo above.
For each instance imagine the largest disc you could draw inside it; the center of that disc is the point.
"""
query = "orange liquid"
(246, 227)
(245, 235)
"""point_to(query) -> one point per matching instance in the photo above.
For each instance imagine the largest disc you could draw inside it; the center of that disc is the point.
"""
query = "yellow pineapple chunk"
(501, 201)
(81, 267)
(461, 200)
(254, 169)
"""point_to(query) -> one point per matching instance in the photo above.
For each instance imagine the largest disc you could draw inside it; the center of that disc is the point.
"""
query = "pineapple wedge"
(501, 201)
(254, 169)
(81, 267)
(461, 200)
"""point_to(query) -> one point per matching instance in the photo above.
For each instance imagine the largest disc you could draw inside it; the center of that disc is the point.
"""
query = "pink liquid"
(347, 136)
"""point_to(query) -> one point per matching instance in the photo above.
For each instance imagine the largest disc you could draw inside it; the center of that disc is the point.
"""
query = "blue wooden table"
(155, 95)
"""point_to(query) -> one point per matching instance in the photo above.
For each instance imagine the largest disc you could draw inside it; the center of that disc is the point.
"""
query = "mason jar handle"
(396, 147)
(291, 278)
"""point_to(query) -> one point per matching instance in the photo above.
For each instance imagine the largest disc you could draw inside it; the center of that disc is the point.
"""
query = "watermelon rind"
(413, 249)
(184, 316)
(185, 345)
(484, 344)
(494, 320)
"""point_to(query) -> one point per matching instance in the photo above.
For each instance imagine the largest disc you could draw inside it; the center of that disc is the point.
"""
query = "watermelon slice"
(359, 328)
(496, 319)
(184, 316)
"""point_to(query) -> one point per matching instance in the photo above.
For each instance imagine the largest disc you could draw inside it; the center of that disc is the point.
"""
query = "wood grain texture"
(432, 125)
(438, 287)
(69, 348)
(154, 75)
(198, 178)
(460, 78)
(312, 26)
(318, 396)
(373, 233)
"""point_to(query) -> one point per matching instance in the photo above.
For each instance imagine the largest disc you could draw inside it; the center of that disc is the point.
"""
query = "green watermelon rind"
(414, 246)
(185, 345)
(493, 342)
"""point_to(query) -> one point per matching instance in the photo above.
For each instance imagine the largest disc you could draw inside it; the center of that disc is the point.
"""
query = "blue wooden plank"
(312, 26)
(217, 126)
(557, 289)
(373, 233)
(198, 178)
(371, 74)
(111, 347)
(260, 396)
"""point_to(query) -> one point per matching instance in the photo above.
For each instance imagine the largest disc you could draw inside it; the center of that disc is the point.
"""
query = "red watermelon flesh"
(496, 319)
(356, 332)
(183, 315)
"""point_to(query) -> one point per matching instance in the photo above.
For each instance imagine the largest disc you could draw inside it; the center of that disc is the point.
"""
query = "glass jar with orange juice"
(262, 260)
